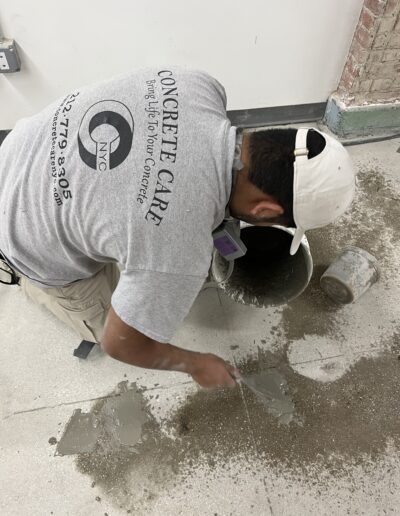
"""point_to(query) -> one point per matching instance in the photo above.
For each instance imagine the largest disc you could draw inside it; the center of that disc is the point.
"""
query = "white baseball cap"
(323, 186)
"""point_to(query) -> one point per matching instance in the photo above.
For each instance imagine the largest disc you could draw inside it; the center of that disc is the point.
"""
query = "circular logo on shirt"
(105, 135)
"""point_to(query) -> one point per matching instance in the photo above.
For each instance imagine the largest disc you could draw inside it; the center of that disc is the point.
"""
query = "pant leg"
(83, 305)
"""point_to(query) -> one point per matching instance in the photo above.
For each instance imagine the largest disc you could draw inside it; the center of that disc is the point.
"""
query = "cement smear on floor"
(117, 421)
(271, 389)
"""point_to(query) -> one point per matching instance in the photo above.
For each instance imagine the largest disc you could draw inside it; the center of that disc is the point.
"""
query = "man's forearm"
(151, 354)
(129, 345)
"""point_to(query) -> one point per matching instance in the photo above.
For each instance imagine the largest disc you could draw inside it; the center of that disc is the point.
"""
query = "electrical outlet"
(9, 59)
(3, 62)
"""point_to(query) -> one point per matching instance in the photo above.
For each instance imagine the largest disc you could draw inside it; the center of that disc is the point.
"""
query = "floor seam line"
(67, 403)
(252, 434)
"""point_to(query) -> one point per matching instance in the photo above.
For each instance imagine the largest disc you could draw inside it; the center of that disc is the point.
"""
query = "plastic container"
(350, 275)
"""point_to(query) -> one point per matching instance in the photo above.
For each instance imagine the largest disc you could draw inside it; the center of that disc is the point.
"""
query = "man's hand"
(212, 372)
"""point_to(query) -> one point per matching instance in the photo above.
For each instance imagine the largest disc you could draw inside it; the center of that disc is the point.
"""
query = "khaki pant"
(82, 305)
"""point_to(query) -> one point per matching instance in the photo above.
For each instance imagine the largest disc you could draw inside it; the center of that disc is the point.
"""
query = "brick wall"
(372, 71)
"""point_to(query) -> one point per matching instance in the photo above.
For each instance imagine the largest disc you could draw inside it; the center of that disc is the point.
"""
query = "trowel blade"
(269, 384)
(270, 387)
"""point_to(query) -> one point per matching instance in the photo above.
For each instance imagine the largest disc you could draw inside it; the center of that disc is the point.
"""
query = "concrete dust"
(346, 422)
(349, 420)
(313, 313)
(373, 222)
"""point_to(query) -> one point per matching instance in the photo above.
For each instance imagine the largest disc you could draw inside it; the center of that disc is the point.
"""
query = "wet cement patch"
(346, 422)
(80, 434)
(116, 422)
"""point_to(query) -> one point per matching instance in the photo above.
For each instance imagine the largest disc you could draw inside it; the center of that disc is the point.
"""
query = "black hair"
(271, 164)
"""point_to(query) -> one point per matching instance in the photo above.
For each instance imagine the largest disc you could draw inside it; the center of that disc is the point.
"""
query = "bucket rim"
(304, 245)
(291, 231)
(305, 250)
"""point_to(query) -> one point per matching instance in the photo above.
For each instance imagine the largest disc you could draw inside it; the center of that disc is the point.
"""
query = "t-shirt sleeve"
(155, 303)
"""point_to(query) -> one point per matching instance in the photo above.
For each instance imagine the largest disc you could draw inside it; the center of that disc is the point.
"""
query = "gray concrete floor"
(220, 453)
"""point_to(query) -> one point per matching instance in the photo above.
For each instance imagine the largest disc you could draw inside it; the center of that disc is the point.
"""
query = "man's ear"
(267, 209)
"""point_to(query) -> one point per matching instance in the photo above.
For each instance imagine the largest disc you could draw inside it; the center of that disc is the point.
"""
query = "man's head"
(277, 187)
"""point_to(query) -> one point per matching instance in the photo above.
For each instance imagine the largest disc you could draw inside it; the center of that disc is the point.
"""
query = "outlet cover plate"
(9, 59)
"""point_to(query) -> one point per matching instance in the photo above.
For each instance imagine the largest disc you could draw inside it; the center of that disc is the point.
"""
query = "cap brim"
(296, 241)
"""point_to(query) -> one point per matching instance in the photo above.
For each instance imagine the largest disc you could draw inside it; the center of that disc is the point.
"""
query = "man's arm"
(129, 345)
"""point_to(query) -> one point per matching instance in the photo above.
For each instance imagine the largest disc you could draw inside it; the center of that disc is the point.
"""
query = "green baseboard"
(352, 121)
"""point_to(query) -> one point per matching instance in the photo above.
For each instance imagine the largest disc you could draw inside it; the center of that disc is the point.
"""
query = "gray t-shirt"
(135, 170)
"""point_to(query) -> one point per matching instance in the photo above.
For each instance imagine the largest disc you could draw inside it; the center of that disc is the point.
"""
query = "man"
(134, 174)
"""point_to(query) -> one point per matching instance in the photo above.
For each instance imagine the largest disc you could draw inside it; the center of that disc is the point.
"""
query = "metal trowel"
(271, 389)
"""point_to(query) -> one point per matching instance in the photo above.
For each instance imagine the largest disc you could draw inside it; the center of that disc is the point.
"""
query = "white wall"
(266, 53)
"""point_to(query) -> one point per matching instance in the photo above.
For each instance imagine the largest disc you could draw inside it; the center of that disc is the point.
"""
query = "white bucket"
(267, 274)
(350, 275)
